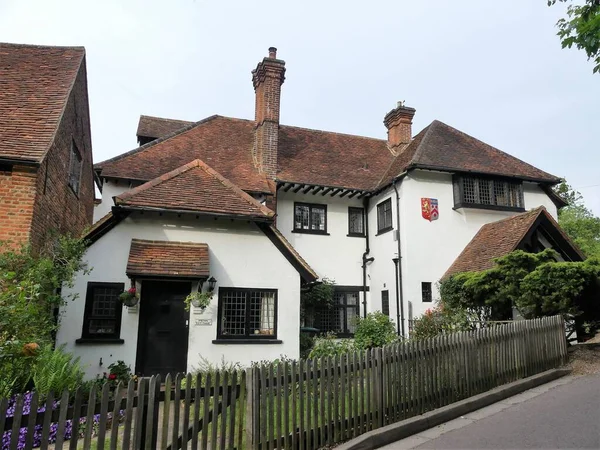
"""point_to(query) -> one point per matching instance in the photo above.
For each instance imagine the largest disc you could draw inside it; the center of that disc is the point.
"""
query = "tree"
(536, 284)
(29, 293)
(581, 28)
(580, 224)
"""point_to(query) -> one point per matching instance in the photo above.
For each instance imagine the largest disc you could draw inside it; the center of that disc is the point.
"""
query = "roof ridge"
(206, 168)
(165, 119)
(230, 185)
(390, 165)
(156, 181)
(70, 47)
(332, 132)
(157, 141)
(177, 243)
(535, 213)
(419, 151)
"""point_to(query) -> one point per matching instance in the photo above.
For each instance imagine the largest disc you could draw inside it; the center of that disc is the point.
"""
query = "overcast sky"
(493, 69)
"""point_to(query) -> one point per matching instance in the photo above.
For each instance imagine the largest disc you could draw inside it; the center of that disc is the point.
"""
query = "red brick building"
(46, 175)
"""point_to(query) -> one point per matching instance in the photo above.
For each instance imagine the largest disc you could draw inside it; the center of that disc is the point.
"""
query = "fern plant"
(56, 370)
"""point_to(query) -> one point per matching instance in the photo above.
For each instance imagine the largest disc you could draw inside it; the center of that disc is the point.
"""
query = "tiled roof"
(156, 127)
(310, 156)
(168, 259)
(497, 239)
(441, 147)
(222, 143)
(331, 159)
(35, 83)
(195, 187)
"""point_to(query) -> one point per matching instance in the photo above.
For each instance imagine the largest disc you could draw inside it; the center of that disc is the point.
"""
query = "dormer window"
(488, 193)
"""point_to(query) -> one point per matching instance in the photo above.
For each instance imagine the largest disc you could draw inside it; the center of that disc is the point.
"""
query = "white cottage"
(261, 209)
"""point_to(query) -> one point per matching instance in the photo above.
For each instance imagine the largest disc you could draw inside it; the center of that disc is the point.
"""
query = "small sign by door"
(203, 322)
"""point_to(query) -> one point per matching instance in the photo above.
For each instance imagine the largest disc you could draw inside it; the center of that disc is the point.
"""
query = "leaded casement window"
(356, 222)
(385, 302)
(75, 168)
(488, 193)
(310, 218)
(247, 313)
(426, 294)
(384, 216)
(339, 318)
(102, 316)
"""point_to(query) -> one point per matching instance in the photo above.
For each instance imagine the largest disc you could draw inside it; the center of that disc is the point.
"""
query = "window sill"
(247, 341)
(99, 341)
(356, 235)
(383, 231)
(322, 233)
(488, 207)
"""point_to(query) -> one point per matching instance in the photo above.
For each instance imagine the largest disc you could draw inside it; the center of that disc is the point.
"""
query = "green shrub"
(306, 344)
(56, 370)
(329, 345)
(375, 330)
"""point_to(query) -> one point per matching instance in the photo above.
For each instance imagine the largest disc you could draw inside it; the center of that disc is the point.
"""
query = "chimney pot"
(272, 53)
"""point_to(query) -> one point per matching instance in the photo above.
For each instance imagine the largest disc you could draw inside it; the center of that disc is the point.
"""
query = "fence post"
(251, 408)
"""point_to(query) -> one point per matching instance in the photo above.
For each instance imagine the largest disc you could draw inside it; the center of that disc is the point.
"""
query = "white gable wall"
(429, 248)
(240, 256)
(109, 190)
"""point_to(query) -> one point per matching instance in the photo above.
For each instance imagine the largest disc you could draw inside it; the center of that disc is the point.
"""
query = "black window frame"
(309, 230)
(75, 178)
(384, 227)
(344, 306)
(248, 336)
(356, 210)
(426, 292)
(385, 302)
(485, 193)
(88, 312)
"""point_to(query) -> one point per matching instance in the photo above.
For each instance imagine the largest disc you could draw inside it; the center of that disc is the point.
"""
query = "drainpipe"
(399, 264)
(366, 260)
(398, 321)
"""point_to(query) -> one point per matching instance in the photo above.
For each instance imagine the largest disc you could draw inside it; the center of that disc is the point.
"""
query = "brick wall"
(17, 198)
(57, 207)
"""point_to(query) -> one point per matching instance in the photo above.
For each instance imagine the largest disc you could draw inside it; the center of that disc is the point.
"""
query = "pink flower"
(131, 290)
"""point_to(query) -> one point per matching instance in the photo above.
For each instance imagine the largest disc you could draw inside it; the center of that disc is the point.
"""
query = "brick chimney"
(267, 79)
(399, 124)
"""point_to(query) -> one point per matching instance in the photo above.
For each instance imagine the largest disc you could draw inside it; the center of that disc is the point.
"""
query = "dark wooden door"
(163, 328)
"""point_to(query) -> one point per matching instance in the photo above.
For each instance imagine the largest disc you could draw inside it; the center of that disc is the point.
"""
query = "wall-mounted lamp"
(211, 284)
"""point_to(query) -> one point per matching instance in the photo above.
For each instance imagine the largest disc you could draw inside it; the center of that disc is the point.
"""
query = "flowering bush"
(37, 433)
(129, 297)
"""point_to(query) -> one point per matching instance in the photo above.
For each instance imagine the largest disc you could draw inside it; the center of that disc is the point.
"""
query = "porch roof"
(168, 259)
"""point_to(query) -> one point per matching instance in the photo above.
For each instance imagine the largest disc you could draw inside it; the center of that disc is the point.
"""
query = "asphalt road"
(564, 414)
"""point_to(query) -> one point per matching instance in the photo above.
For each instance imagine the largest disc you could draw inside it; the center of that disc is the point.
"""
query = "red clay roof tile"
(35, 83)
(156, 127)
(195, 187)
(310, 156)
(171, 259)
(497, 239)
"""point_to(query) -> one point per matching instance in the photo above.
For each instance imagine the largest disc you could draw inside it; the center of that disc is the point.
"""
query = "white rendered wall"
(109, 190)
(384, 247)
(335, 256)
(429, 248)
(240, 256)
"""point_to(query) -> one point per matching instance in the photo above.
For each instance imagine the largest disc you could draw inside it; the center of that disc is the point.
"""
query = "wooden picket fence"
(301, 405)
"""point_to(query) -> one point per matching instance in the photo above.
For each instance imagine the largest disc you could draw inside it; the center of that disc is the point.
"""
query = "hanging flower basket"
(199, 300)
(129, 297)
